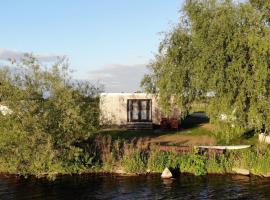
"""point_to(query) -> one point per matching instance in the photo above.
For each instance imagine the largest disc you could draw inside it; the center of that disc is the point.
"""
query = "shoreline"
(126, 174)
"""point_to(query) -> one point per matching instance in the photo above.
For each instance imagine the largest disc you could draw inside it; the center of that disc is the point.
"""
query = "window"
(139, 110)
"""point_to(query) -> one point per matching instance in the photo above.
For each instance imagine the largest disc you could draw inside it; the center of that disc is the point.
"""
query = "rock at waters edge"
(166, 173)
(266, 175)
(241, 171)
(120, 171)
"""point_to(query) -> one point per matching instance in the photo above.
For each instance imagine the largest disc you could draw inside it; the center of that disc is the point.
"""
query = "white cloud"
(6, 54)
(119, 77)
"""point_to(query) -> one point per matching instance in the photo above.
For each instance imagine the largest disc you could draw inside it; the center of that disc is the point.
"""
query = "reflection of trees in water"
(136, 187)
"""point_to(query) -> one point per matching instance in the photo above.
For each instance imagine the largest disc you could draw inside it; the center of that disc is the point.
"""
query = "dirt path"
(184, 140)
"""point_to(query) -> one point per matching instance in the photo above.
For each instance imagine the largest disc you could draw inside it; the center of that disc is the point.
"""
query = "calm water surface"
(150, 187)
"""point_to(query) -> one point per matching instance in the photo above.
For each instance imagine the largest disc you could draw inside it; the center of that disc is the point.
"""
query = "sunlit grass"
(193, 126)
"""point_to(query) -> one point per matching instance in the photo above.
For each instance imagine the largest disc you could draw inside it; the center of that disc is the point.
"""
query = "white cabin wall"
(113, 107)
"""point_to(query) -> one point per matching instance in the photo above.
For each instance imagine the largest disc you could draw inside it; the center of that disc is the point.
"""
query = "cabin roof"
(124, 94)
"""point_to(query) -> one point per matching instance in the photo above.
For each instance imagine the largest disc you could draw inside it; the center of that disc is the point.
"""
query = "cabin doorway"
(139, 110)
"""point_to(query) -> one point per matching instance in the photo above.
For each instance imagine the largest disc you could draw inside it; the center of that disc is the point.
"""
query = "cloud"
(119, 77)
(6, 54)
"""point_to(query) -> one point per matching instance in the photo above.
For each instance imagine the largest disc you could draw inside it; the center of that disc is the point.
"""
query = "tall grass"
(138, 156)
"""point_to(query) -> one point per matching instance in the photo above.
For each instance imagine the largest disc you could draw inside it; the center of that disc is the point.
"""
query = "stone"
(120, 171)
(166, 173)
(266, 175)
(264, 138)
(241, 171)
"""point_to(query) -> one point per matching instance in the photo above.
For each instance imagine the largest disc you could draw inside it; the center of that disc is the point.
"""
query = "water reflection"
(149, 187)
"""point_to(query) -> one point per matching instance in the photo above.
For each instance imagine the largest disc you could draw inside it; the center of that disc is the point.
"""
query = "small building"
(133, 110)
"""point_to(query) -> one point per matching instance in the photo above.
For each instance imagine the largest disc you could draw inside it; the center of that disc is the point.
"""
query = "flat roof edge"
(124, 93)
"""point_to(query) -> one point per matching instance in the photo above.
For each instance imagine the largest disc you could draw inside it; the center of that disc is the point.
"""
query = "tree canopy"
(51, 112)
(221, 47)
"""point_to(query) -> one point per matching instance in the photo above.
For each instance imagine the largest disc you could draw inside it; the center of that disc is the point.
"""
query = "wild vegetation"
(140, 156)
(50, 113)
(216, 57)
(218, 53)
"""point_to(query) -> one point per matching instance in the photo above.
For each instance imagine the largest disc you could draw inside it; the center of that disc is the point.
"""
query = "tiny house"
(131, 110)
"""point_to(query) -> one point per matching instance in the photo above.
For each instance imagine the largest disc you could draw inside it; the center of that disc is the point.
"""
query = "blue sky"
(103, 39)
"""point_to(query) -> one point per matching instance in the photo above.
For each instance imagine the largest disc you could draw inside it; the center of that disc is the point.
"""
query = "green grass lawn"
(194, 130)
(129, 134)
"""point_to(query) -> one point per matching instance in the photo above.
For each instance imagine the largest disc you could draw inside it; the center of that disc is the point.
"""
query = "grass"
(139, 152)
(247, 138)
(194, 130)
(128, 134)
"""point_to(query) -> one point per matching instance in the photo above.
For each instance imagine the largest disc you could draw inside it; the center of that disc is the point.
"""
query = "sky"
(106, 41)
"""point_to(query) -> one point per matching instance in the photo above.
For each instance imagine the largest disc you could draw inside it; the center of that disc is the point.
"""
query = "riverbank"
(132, 153)
(140, 158)
(120, 173)
(248, 162)
(131, 156)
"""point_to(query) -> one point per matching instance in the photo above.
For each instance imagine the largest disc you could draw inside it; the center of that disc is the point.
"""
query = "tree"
(225, 52)
(172, 71)
(263, 7)
(49, 109)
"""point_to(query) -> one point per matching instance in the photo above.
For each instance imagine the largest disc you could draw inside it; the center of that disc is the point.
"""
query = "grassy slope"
(194, 130)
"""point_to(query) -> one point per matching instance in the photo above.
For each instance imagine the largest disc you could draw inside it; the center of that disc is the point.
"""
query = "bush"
(255, 160)
(24, 154)
(193, 163)
(157, 161)
(50, 114)
(218, 164)
(134, 162)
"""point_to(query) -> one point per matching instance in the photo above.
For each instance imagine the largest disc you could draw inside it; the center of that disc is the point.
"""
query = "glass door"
(144, 114)
(139, 110)
(135, 111)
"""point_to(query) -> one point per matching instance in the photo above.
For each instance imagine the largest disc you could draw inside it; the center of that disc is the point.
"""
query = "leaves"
(225, 50)
(50, 114)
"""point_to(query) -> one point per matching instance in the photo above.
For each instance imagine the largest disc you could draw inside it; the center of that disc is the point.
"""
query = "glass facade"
(139, 110)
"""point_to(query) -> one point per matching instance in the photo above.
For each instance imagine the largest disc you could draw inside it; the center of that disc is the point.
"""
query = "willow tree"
(172, 71)
(223, 48)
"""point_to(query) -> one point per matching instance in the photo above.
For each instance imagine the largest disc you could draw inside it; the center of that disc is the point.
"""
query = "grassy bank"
(140, 156)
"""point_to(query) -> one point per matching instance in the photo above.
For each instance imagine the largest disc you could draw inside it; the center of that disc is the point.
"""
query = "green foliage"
(255, 160)
(218, 47)
(157, 161)
(193, 163)
(218, 164)
(134, 162)
(137, 156)
(262, 164)
(263, 7)
(24, 154)
(75, 160)
(187, 163)
(51, 113)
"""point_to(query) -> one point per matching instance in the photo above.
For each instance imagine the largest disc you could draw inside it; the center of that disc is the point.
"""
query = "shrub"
(258, 162)
(157, 161)
(193, 163)
(218, 164)
(50, 114)
(135, 161)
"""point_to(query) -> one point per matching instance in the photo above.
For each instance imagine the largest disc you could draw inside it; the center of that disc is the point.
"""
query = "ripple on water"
(141, 187)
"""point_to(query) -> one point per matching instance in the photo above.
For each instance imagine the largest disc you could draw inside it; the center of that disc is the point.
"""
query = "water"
(150, 187)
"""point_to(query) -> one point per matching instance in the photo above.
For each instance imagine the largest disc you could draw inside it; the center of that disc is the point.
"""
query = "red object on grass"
(164, 123)
(174, 123)
(171, 123)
